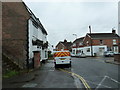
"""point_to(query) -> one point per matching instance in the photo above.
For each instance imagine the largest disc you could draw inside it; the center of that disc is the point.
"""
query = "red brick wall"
(108, 42)
(14, 31)
(87, 38)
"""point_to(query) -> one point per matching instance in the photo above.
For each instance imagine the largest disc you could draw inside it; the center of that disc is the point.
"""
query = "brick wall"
(14, 31)
(108, 42)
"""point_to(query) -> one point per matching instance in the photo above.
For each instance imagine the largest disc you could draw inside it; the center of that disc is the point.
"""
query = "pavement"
(22, 78)
(112, 62)
(45, 77)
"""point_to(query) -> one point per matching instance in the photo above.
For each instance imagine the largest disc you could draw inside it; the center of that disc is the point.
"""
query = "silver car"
(108, 53)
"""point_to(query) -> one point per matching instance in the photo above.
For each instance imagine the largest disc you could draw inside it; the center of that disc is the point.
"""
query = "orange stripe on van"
(61, 54)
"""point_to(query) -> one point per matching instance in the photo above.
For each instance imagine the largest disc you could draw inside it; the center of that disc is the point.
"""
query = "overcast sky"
(63, 19)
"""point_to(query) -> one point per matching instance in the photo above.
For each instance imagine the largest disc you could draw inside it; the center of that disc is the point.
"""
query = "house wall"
(14, 32)
(38, 34)
(96, 49)
(107, 42)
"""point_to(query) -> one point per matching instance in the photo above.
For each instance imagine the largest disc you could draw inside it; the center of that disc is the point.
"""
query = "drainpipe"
(27, 60)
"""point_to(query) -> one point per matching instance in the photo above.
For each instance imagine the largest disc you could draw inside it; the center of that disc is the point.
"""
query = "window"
(74, 44)
(101, 49)
(101, 41)
(114, 41)
(73, 51)
(88, 49)
(80, 43)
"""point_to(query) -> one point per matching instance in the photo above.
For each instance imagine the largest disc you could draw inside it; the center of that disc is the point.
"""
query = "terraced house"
(23, 36)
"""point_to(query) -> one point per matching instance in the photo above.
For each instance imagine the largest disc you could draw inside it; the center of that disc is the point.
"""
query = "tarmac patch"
(29, 85)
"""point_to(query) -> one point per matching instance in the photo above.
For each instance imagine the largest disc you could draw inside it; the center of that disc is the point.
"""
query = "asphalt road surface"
(96, 72)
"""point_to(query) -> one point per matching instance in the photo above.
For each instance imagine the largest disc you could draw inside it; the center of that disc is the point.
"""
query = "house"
(64, 45)
(76, 45)
(97, 43)
(24, 39)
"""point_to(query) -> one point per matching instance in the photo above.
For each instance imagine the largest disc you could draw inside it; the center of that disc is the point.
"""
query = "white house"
(38, 43)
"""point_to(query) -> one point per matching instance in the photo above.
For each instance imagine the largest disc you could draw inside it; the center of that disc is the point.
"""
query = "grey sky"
(62, 19)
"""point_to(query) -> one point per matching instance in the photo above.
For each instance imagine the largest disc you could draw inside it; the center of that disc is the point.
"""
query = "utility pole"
(91, 42)
(76, 43)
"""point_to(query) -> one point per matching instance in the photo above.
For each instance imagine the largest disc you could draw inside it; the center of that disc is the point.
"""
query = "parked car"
(108, 53)
(72, 55)
(82, 55)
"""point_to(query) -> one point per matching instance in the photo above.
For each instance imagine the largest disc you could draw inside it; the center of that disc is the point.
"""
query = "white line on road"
(97, 84)
(113, 79)
(101, 82)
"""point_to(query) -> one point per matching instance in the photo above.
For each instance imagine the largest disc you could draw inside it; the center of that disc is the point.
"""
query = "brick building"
(77, 44)
(23, 36)
(97, 43)
(64, 45)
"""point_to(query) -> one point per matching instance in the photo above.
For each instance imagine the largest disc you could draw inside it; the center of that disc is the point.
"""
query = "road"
(94, 71)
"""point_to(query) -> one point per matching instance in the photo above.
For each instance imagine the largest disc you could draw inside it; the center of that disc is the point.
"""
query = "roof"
(103, 35)
(78, 40)
(36, 20)
(67, 44)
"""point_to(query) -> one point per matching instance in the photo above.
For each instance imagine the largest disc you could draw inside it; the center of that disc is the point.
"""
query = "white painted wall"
(96, 49)
(38, 34)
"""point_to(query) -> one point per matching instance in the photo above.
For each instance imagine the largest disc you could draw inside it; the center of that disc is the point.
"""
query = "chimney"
(65, 40)
(113, 31)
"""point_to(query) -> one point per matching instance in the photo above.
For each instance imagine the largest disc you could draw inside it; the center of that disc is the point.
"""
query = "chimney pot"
(114, 31)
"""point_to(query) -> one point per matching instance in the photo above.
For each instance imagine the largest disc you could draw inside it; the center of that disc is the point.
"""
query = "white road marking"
(97, 84)
(101, 82)
(113, 79)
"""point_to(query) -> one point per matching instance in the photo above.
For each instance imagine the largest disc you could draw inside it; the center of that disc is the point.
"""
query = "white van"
(62, 57)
